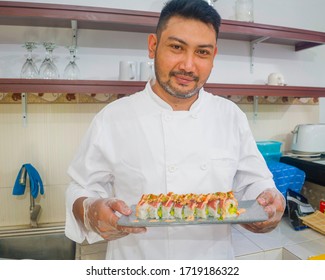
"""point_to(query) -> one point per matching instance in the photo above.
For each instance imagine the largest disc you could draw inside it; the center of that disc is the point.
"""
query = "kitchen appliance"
(308, 139)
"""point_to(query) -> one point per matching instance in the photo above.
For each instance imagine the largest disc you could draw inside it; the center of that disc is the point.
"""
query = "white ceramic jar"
(245, 10)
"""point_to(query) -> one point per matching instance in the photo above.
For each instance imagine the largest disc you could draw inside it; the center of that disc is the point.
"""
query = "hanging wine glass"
(29, 69)
(211, 2)
(71, 71)
(48, 69)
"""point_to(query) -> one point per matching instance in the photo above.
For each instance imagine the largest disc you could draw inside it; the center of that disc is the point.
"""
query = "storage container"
(286, 176)
(270, 150)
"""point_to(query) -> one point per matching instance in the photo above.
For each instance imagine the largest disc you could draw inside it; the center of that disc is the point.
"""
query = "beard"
(177, 92)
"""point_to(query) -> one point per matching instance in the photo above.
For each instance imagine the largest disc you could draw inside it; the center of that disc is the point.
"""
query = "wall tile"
(54, 131)
(48, 142)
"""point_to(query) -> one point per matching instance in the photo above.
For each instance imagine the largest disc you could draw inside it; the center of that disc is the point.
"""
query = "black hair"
(190, 9)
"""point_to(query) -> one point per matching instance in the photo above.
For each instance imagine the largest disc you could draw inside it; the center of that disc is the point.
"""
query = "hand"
(100, 217)
(274, 205)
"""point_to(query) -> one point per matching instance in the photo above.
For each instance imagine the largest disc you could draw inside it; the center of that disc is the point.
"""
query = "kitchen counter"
(282, 243)
(313, 167)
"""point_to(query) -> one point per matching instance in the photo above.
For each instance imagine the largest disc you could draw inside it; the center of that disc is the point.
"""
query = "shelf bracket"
(74, 26)
(255, 108)
(252, 50)
(24, 108)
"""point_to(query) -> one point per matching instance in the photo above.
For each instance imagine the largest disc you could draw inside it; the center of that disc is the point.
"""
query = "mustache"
(184, 73)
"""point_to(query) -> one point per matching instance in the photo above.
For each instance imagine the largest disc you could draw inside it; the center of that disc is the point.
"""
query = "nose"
(187, 63)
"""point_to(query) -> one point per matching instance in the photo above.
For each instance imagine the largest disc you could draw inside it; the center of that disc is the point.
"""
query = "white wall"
(291, 13)
(231, 65)
(322, 110)
(54, 131)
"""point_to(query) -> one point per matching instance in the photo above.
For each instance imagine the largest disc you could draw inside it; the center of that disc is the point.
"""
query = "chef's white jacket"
(138, 144)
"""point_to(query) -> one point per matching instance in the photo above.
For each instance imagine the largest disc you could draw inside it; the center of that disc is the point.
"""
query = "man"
(172, 136)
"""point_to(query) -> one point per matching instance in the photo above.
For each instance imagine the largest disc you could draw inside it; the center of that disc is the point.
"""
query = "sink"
(49, 243)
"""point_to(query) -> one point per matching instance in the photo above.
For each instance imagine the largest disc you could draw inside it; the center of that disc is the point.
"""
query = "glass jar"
(245, 10)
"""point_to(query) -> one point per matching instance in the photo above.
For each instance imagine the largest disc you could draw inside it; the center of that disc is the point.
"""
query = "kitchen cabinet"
(53, 15)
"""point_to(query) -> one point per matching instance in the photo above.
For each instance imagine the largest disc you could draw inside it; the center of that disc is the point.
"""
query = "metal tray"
(254, 213)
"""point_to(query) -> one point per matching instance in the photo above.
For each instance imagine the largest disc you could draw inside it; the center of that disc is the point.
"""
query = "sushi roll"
(178, 208)
(219, 205)
(201, 206)
(213, 207)
(222, 197)
(189, 206)
(167, 206)
(154, 207)
(230, 206)
(142, 208)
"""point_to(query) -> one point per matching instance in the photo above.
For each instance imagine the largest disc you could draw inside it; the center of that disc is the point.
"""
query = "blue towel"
(36, 184)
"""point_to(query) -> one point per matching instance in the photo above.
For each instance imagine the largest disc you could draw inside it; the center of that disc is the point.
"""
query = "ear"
(215, 51)
(152, 45)
(214, 55)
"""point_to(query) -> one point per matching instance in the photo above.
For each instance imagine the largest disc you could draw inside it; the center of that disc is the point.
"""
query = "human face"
(184, 55)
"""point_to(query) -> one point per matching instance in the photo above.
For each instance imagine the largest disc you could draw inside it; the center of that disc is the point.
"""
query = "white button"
(167, 118)
(172, 168)
(204, 166)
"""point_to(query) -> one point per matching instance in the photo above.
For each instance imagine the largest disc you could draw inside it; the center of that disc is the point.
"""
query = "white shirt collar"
(164, 104)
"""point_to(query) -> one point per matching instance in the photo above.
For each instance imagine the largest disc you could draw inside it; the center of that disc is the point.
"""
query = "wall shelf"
(125, 88)
(53, 15)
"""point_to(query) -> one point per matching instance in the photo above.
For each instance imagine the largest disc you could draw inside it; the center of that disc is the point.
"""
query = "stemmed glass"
(71, 71)
(211, 2)
(29, 69)
(48, 69)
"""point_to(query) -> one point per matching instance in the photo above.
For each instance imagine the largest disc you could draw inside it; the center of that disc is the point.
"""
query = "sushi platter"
(253, 212)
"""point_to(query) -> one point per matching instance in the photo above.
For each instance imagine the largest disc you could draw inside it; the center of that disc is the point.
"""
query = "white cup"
(146, 70)
(275, 79)
(128, 71)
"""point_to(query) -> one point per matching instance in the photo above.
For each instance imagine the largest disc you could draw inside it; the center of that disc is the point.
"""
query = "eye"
(203, 52)
(176, 47)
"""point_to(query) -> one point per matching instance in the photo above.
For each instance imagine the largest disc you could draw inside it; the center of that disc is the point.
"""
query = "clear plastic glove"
(274, 205)
(100, 217)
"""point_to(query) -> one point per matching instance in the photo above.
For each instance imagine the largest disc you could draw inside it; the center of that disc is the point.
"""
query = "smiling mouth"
(184, 78)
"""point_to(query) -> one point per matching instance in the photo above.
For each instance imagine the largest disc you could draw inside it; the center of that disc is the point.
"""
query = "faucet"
(34, 209)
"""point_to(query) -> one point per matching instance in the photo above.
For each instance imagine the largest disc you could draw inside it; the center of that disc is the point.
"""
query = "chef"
(171, 137)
